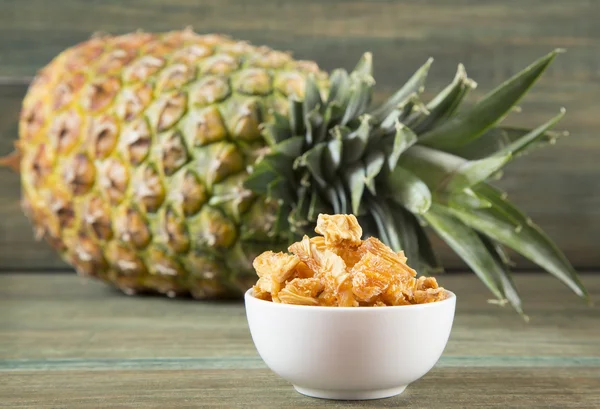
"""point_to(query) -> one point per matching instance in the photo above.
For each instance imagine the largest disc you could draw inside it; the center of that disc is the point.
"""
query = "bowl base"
(350, 394)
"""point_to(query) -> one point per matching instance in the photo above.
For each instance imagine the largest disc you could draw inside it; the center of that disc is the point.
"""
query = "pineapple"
(167, 162)
(135, 150)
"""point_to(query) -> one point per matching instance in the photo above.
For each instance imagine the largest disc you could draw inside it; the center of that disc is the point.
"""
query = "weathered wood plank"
(445, 388)
(71, 343)
(494, 39)
(66, 317)
(334, 32)
(255, 362)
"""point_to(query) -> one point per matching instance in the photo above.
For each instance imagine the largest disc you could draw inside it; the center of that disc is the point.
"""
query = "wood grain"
(557, 186)
(335, 32)
(443, 388)
(66, 342)
(66, 317)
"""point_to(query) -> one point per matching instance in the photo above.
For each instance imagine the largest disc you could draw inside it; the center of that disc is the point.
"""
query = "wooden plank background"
(559, 187)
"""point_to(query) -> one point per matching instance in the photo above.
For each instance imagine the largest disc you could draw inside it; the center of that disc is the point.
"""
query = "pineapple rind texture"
(135, 149)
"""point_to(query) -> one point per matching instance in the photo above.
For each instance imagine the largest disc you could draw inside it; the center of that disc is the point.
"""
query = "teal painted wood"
(442, 388)
(70, 343)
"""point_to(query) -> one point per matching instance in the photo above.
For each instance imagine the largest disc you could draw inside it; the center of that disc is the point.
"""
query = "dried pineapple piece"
(339, 229)
(336, 279)
(370, 277)
(301, 291)
(261, 294)
(399, 292)
(395, 297)
(402, 256)
(346, 249)
(303, 271)
(332, 270)
(329, 267)
(423, 283)
(273, 269)
(287, 297)
(430, 295)
(350, 255)
(375, 246)
(319, 243)
(328, 299)
(307, 252)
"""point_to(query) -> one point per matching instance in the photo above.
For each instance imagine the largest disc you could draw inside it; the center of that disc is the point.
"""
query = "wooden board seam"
(255, 362)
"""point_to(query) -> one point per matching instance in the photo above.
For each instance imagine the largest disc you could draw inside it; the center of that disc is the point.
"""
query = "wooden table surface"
(67, 342)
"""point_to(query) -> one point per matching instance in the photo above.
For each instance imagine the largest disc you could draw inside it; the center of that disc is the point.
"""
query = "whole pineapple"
(166, 162)
(134, 153)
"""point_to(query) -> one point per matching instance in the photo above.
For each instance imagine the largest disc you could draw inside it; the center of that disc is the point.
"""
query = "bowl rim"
(249, 295)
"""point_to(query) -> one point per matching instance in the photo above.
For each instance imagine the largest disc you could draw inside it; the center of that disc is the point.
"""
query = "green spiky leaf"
(360, 99)
(498, 138)
(443, 105)
(364, 66)
(299, 214)
(467, 244)
(312, 95)
(413, 86)
(291, 147)
(404, 224)
(475, 171)
(276, 131)
(312, 124)
(473, 122)
(317, 205)
(312, 160)
(408, 190)
(329, 114)
(467, 199)
(279, 163)
(530, 241)
(514, 140)
(384, 221)
(280, 189)
(260, 178)
(282, 224)
(355, 183)
(339, 90)
(342, 199)
(442, 171)
(332, 157)
(356, 141)
(519, 145)
(507, 284)
(374, 162)
(430, 263)
(296, 116)
(394, 145)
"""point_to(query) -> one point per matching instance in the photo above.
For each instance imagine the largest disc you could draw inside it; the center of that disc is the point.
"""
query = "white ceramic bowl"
(350, 353)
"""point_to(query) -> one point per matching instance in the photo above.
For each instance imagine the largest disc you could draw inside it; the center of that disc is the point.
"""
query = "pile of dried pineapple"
(340, 269)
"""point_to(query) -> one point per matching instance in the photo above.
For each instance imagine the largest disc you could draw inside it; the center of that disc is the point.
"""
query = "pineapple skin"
(134, 153)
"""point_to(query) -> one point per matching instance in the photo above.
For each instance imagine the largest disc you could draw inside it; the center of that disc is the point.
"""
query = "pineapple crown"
(405, 164)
